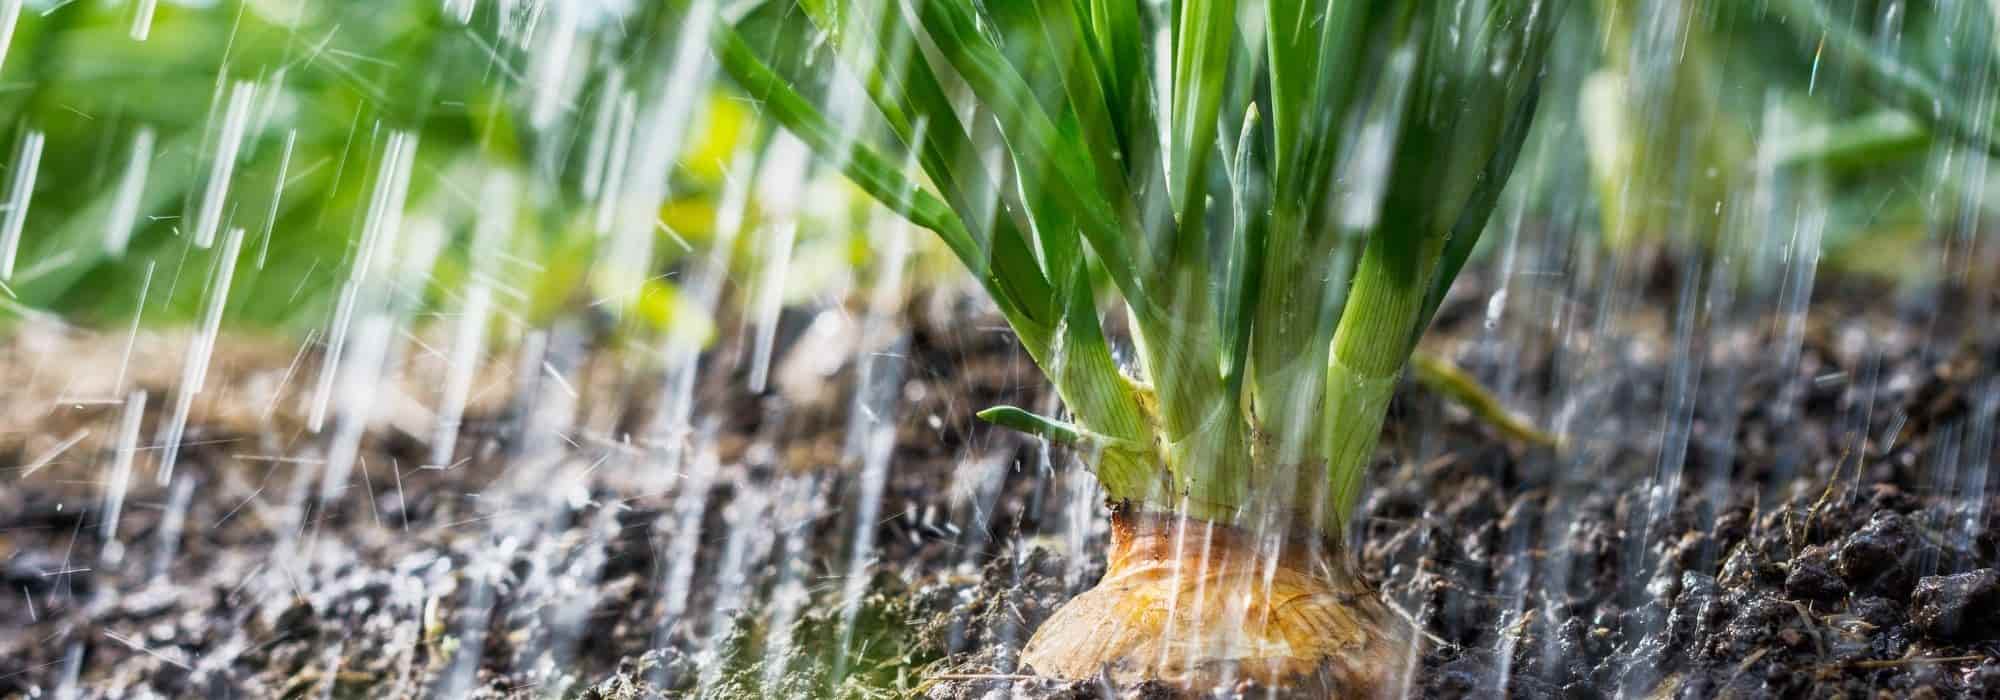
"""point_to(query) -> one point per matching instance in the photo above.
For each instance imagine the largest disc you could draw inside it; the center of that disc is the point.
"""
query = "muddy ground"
(1844, 548)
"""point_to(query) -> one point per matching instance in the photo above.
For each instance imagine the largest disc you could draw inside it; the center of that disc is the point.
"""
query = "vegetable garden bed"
(1849, 575)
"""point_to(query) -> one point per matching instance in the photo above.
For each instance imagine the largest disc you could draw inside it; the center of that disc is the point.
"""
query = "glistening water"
(505, 348)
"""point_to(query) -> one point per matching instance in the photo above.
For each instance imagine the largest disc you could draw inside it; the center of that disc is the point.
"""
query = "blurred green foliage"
(332, 81)
(1866, 96)
(1696, 109)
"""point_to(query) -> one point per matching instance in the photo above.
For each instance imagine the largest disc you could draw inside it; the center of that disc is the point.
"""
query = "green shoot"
(1340, 159)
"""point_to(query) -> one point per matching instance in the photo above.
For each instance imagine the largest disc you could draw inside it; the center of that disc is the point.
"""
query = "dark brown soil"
(1780, 556)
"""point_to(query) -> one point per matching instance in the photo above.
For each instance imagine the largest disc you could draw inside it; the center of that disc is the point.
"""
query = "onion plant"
(1279, 194)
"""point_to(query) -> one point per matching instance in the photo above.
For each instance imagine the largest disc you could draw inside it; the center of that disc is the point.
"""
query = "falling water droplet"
(10, 15)
(21, 186)
(131, 187)
(235, 120)
(194, 368)
(142, 19)
(119, 478)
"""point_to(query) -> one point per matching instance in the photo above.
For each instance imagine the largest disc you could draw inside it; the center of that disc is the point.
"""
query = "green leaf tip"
(1033, 424)
(1053, 430)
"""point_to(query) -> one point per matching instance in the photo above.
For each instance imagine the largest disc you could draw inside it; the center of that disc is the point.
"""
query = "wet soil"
(1846, 547)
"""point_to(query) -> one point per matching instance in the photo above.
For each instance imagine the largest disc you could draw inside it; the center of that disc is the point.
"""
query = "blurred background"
(154, 127)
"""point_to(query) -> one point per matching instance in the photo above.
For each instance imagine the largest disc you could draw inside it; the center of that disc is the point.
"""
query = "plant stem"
(1369, 350)
(1303, 286)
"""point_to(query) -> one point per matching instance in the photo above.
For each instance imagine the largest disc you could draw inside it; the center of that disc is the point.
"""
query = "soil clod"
(1959, 607)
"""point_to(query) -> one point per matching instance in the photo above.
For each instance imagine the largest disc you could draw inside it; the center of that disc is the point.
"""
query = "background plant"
(1856, 107)
(330, 83)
